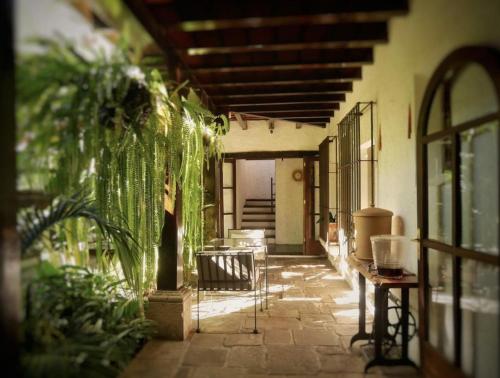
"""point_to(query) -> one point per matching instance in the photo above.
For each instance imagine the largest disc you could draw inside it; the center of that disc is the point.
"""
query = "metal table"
(382, 286)
(257, 245)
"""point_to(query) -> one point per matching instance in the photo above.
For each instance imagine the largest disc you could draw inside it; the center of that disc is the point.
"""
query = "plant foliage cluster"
(79, 324)
(105, 137)
(103, 125)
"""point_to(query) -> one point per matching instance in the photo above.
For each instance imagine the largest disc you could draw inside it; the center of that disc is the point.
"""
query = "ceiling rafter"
(260, 15)
(282, 59)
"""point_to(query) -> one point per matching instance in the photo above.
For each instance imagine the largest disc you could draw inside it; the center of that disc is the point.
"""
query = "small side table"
(382, 286)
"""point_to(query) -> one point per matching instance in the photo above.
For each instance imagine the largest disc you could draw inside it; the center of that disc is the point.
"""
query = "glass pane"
(316, 200)
(332, 197)
(228, 200)
(439, 190)
(440, 288)
(227, 174)
(316, 173)
(436, 121)
(480, 318)
(479, 188)
(472, 95)
(316, 227)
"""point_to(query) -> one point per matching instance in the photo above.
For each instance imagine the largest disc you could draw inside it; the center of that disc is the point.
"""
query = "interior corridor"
(305, 332)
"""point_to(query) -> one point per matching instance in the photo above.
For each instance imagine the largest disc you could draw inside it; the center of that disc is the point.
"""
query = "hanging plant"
(111, 128)
(97, 124)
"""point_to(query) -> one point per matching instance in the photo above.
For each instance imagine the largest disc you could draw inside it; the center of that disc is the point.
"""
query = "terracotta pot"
(368, 222)
(333, 235)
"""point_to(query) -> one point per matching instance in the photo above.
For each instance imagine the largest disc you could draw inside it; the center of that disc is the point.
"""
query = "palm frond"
(35, 222)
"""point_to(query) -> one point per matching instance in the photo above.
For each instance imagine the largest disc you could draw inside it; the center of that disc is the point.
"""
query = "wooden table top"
(409, 280)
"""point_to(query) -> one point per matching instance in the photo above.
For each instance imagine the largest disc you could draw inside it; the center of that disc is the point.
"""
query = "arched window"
(458, 194)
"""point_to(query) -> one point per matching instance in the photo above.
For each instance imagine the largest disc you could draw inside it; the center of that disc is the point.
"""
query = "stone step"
(258, 206)
(259, 199)
(253, 227)
(262, 225)
(257, 211)
(262, 216)
(258, 220)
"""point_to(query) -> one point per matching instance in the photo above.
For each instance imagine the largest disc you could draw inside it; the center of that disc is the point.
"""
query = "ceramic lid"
(373, 212)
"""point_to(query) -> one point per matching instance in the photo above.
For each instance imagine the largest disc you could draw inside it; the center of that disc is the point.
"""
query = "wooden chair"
(228, 271)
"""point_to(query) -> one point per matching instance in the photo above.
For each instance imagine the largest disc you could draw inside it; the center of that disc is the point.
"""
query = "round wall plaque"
(297, 175)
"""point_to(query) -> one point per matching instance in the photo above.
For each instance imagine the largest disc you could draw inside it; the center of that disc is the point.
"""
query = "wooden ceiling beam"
(275, 104)
(275, 90)
(295, 114)
(273, 83)
(309, 120)
(292, 77)
(281, 100)
(157, 32)
(260, 13)
(281, 67)
(255, 60)
(276, 39)
(272, 95)
(262, 108)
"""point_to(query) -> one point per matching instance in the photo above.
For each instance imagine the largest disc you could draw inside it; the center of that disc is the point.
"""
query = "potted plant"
(333, 236)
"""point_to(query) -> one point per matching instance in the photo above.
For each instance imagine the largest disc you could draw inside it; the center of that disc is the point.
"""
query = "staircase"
(259, 213)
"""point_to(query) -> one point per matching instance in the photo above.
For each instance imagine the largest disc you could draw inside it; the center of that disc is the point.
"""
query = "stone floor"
(305, 332)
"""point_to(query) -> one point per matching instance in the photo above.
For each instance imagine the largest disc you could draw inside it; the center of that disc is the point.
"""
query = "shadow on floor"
(305, 332)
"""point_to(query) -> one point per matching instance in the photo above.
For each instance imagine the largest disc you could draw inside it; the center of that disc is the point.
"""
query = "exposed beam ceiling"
(287, 59)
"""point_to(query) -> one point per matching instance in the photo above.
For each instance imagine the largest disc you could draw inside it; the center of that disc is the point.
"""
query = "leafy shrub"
(79, 324)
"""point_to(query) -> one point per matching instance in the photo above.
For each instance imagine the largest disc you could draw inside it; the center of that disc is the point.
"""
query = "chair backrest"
(225, 270)
(247, 234)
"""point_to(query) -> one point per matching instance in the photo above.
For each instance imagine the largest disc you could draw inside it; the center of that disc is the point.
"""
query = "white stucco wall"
(398, 78)
(289, 203)
(253, 180)
(284, 138)
(50, 18)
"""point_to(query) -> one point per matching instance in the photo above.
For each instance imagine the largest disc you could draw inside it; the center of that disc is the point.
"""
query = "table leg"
(378, 324)
(405, 308)
(361, 335)
(381, 328)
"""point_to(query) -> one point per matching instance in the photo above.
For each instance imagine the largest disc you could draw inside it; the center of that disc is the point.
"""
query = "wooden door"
(458, 201)
(324, 189)
(312, 245)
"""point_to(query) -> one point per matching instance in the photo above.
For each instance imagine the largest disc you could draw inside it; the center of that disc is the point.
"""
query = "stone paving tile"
(315, 337)
(151, 368)
(345, 329)
(319, 318)
(183, 372)
(223, 324)
(163, 349)
(277, 337)
(284, 313)
(295, 359)
(243, 339)
(251, 357)
(224, 372)
(198, 356)
(340, 363)
(273, 323)
(328, 350)
(207, 340)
